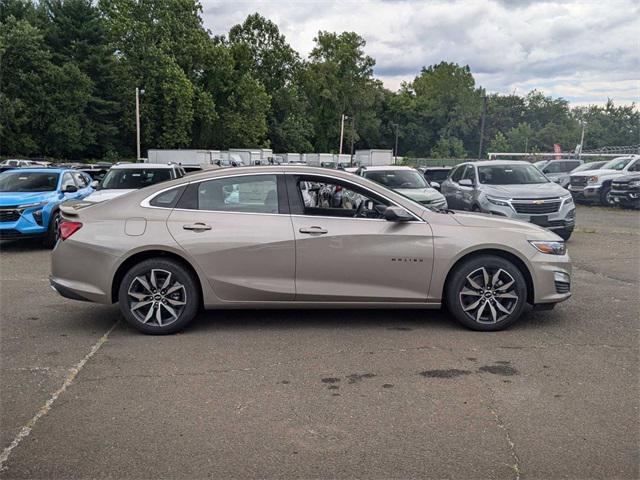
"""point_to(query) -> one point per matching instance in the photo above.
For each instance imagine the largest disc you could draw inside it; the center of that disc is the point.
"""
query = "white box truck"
(186, 158)
(291, 158)
(320, 159)
(371, 158)
(249, 156)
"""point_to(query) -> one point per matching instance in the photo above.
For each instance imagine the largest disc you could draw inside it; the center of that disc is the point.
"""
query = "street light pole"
(395, 150)
(581, 142)
(343, 116)
(138, 93)
(484, 114)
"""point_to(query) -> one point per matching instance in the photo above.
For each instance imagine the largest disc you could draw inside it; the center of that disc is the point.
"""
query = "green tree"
(449, 147)
(521, 137)
(339, 80)
(499, 143)
(258, 47)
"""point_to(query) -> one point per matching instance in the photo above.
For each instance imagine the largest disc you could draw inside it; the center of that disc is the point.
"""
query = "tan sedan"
(261, 237)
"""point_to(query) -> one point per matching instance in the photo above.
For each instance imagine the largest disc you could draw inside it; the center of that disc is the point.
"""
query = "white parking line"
(71, 376)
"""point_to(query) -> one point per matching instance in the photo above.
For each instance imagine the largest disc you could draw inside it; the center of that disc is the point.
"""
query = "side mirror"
(435, 185)
(95, 184)
(465, 182)
(70, 189)
(397, 214)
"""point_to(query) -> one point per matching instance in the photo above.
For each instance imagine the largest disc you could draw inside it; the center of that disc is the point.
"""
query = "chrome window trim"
(145, 203)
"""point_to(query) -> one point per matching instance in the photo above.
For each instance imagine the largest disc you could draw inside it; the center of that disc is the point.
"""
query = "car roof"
(494, 163)
(42, 170)
(386, 167)
(127, 166)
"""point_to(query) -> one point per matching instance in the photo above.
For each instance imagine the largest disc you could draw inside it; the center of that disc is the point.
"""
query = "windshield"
(617, 164)
(28, 181)
(588, 166)
(510, 175)
(123, 178)
(397, 178)
(541, 164)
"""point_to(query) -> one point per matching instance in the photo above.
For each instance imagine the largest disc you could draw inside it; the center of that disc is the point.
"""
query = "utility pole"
(353, 134)
(581, 142)
(138, 93)
(342, 118)
(484, 114)
(395, 150)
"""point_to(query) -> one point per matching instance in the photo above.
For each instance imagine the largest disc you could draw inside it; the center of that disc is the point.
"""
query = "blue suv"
(30, 199)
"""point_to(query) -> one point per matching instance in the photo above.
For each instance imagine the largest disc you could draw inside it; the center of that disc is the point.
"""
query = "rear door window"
(243, 194)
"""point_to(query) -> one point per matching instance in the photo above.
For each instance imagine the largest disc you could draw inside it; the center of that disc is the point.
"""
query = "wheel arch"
(138, 257)
(512, 257)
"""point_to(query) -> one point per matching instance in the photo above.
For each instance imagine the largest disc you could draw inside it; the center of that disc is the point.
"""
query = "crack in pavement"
(512, 446)
(73, 372)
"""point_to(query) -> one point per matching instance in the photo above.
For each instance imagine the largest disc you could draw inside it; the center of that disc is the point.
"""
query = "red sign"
(557, 150)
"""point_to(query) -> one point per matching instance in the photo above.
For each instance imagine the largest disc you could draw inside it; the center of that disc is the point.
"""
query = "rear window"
(134, 178)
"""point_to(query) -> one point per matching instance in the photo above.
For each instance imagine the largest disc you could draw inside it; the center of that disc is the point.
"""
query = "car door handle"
(197, 227)
(314, 230)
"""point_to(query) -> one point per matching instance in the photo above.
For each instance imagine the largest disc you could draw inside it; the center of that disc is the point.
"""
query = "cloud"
(585, 51)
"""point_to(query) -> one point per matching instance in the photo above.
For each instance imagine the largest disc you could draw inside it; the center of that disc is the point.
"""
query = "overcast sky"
(584, 51)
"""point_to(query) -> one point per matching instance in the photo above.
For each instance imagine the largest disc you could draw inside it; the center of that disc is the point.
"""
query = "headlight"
(549, 247)
(568, 200)
(27, 206)
(503, 202)
(593, 179)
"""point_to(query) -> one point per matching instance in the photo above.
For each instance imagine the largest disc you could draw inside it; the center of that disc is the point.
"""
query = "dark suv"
(625, 191)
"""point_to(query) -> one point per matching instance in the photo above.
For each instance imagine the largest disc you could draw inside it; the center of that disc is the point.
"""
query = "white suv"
(126, 177)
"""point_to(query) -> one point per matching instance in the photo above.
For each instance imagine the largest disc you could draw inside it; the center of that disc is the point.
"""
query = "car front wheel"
(159, 296)
(486, 293)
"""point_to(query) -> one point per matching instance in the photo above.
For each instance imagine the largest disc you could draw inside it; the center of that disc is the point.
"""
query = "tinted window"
(12, 181)
(397, 178)
(250, 194)
(556, 167)
(436, 175)
(134, 178)
(167, 199)
(469, 173)
(510, 175)
(457, 173)
(635, 167)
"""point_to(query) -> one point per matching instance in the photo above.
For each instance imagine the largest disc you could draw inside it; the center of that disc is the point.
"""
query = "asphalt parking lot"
(282, 394)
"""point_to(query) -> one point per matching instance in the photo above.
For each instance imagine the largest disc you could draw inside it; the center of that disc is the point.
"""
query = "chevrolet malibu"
(248, 238)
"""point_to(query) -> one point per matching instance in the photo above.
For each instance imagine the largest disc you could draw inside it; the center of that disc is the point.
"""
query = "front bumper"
(564, 219)
(23, 227)
(588, 192)
(626, 197)
(552, 279)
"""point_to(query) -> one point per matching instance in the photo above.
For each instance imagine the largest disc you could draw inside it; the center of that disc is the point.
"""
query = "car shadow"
(22, 245)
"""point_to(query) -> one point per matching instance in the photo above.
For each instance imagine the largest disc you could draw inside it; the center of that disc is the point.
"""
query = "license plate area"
(541, 220)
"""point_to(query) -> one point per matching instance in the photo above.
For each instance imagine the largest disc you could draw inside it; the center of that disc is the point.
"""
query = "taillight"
(68, 228)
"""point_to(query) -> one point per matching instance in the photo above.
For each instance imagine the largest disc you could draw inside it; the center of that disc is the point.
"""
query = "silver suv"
(511, 189)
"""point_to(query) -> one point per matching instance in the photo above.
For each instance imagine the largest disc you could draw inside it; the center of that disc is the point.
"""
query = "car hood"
(535, 190)
(420, 194)
(598, 172)
(20, 198)
(629, 177)
(486, 220)
(104, 195)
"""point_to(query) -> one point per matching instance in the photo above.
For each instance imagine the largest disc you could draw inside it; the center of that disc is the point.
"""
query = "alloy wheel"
(156, 298)
(488, 295)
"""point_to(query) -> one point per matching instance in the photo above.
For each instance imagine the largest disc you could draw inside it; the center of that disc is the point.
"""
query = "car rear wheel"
(486, 293)
(159, 296)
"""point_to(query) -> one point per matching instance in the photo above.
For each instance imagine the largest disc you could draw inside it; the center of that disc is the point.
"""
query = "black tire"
(187, 292)
(605, 196)
(564, 234)
(53, 231)
(458, 282)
